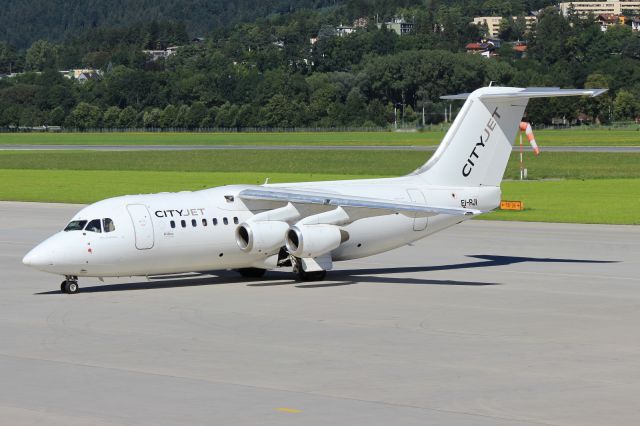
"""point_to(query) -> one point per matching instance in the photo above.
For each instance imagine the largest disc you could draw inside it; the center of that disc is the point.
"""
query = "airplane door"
(419, 223)
(142, 226)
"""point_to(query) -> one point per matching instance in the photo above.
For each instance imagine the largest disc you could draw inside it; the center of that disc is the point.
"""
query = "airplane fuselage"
(195, 231)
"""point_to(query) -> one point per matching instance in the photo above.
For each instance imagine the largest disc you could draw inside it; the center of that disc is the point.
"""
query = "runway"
(487, 323)
(431, 148)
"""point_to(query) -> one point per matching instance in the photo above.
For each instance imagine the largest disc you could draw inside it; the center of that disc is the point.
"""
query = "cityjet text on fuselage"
(488, 130)
(179, 212)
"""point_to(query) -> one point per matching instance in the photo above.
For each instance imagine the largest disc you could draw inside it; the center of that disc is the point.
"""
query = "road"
(9, 147)
(487, 323)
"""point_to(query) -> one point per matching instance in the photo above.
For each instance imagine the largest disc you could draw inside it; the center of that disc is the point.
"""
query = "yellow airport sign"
(511, 205)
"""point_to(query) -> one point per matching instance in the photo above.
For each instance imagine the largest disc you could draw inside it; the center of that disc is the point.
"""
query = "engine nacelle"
(261, 237)
(313, 240)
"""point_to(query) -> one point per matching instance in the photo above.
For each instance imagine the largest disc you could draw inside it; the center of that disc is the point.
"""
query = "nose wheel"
(70, 285)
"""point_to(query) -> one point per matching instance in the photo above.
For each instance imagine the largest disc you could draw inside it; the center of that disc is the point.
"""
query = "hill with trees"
(268, 73)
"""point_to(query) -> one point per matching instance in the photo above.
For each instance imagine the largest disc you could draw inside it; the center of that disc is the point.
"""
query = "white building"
(613, 7)
(493, 23)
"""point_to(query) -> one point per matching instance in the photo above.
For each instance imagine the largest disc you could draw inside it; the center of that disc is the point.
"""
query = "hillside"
(24, 21)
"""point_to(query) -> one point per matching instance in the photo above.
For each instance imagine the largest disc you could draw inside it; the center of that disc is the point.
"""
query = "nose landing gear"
(70, 285)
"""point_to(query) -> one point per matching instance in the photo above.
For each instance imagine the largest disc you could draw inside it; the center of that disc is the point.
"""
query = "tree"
(598, 108)
(8, 58)
(128, 117)
(196, 115)
(152, 118)
(168, 118)
(626, 106)
(84, 116)
(41, 55)
(56, 116)
(111, 117)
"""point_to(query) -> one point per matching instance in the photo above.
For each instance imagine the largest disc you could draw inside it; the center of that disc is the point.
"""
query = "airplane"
(307, 225)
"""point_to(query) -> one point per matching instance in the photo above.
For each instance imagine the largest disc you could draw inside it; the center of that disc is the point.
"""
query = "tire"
(312, 276)
(252, 272)
(70, 287)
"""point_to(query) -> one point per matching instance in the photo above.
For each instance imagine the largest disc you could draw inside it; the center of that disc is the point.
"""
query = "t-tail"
(475, 150)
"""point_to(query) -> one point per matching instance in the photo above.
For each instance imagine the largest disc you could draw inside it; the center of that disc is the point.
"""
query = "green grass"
(584, 187)
(611, 201)
(567, 137)
(286, 138)
(87, 186)
(568, 165)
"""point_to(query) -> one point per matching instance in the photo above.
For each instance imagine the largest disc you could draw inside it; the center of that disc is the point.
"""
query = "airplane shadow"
(335, 278)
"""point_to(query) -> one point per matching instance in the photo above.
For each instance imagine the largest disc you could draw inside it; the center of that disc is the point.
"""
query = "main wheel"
(70, 287)
(312, 276)
(252, 272)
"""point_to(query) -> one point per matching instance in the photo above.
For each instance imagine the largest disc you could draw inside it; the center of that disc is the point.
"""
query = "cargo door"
(142, 226)
(419, 223)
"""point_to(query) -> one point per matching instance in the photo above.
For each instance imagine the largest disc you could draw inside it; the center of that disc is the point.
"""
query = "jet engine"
(261, 237)
(313, 240)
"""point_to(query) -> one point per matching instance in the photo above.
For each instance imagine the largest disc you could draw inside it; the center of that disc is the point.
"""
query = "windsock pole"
(521, 162)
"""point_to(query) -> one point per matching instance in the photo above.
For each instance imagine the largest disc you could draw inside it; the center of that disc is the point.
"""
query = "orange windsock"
(526, 127)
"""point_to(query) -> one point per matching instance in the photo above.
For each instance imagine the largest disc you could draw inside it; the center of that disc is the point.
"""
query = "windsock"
(526, 127)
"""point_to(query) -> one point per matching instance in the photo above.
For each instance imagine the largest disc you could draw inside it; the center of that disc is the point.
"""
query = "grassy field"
(568, 137)
(580, 187)
(613, 201)
(565, 165)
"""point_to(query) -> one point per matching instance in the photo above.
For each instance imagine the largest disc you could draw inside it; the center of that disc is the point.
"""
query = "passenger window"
(194, 223)
(75, 225)
(183, 223)
(225, 221)
(235, 220)
(94, 226)
(204, 222)
(215, 222)
(107, 225)
(173, 224)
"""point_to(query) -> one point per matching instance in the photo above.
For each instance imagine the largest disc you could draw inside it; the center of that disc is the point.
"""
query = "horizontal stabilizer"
(503, 93)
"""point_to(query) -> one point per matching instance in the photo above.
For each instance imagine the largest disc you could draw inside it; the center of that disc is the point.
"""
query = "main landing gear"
(252, 272)
(306, 275)
(70, 285)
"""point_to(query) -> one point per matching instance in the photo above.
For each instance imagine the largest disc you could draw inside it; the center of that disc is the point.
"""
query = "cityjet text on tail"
(307, 226)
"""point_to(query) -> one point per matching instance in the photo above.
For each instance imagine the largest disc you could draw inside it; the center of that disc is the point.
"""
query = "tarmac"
(486, 323)
(430, 148)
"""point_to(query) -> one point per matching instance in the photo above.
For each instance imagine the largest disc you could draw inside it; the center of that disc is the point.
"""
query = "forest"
(265, 72)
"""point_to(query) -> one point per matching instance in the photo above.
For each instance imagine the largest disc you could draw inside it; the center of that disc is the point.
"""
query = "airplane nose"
(34, 257)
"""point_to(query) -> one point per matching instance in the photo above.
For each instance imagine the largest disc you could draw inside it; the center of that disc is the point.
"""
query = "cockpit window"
(107, 225)
(94, 226)
(75, 225)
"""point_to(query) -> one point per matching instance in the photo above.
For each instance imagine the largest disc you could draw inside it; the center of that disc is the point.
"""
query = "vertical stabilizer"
(476, 149)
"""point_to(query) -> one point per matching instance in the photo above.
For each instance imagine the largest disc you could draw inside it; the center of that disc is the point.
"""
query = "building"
(154, 55)
(493, 23)
(605, 20)
(399, 25)
(361, 22)
(614, 7)
(485, 48)
(343, 30)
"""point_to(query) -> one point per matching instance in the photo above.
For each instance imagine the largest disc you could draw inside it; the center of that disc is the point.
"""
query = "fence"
(406, 128)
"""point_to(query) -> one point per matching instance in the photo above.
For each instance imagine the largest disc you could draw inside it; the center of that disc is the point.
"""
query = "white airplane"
(308, 225)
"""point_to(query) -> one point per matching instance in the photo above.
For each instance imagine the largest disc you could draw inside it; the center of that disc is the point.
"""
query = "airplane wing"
(296, 196)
